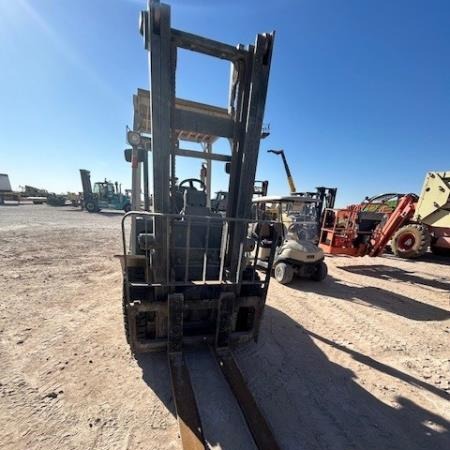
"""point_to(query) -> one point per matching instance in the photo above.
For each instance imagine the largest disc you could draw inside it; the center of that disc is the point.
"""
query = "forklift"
(105, 195)
(219, 203)
(188, 278)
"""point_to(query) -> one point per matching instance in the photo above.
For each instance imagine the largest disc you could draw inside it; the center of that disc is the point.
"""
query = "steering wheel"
(191, 182)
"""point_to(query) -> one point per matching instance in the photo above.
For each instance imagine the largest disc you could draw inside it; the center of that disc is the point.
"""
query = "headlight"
(134, 138)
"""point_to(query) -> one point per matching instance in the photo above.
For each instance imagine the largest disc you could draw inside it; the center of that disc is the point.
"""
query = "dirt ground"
(360, 361)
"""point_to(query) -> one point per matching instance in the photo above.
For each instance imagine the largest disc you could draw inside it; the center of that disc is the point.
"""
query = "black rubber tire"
(91, 206)
(283, 273)
(127, 208)
(125, 315)
(411, 241)
(321, 273)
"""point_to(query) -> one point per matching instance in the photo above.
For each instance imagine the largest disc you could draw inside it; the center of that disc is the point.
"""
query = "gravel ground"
(360, 361)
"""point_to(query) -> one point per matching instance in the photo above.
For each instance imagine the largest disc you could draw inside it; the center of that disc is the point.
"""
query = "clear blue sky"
(359, 93)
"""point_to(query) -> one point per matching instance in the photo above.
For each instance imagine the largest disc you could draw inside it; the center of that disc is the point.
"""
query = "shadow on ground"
(311, 402)
(107, 213)
(314, 403)
(427, 258)
(155, 373)
(376, 297)
(389, 273)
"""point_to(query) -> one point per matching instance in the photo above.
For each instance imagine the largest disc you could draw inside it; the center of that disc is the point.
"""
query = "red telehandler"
(410, 223)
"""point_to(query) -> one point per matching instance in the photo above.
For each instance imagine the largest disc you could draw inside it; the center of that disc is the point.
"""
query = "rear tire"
(91, 206)
(284, 273)
(321, 273)
(411, 241)
(125, 314)
(127, 208)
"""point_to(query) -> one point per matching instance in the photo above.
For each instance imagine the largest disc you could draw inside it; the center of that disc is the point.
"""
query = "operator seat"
(194, 203)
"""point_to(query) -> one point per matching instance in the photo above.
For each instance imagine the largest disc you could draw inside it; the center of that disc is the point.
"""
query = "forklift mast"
(171, 120)
(327, 199)
(86, 182)
(261, 188)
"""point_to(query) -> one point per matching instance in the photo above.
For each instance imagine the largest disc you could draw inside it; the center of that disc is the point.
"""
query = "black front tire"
(91, 206)
(321, 272)
(125, 314)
